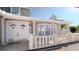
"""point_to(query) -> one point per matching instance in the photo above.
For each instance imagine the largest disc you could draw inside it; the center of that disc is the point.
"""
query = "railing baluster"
(43, 41)
(34, 42)
(46, 41)
(52, 40)
(39, 42)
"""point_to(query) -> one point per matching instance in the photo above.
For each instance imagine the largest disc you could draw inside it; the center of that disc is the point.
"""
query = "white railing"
(41, 41)
(47, 41)
(75, 36)
(71, 37)
(65, 38)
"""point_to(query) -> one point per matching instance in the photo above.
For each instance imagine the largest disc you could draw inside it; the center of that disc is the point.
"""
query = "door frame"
(27, 22)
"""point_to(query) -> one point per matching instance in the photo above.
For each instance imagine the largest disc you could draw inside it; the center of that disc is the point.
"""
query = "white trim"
(19, 13)
(10, 9)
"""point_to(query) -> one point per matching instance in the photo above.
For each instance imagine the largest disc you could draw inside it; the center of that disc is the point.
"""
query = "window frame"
(43, 33)
(15, 13)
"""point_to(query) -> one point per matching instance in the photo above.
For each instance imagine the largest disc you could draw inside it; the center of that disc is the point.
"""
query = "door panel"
(16, 30)
(10, 31)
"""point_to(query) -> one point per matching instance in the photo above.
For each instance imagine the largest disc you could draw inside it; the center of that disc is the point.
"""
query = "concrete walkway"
(73, 47)
(16, 47)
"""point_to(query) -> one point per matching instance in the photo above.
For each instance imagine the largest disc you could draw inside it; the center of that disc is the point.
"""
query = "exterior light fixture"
(13, 26)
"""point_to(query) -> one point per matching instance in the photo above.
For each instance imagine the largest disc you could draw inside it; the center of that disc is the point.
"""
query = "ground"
(23, 45)
(73, 47)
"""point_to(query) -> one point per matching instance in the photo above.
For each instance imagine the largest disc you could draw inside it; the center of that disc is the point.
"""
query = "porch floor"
(23, 45)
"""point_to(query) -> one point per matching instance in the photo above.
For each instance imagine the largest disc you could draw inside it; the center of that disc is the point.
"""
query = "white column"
(3, 31)
(19, 11)
(35, 39)
(31, 42)
(34, 28)
(32, 36)
(28, 32)
(55, 34)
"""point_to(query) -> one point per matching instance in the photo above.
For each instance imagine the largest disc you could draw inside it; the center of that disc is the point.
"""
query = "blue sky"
(66, 13)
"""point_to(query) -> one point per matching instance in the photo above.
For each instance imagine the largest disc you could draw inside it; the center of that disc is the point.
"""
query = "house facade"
(40, 33)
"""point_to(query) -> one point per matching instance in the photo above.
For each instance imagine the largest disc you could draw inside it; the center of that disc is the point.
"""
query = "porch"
(47, 34)
(40, 33)
(44, 43)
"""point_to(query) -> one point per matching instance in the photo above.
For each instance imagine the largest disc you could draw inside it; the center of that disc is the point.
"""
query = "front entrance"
(16, 31)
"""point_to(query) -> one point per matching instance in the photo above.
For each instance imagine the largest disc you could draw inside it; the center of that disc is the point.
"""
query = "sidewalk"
(73, 47)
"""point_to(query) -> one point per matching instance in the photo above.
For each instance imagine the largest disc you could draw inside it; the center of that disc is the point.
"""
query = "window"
(48, 30)
(25, 12)
(15, 10)
(41, 29)
(44, 29)
(31, 27)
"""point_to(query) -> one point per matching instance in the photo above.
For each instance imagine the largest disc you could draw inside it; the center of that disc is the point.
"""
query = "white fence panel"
(47, 41)
(41, 41)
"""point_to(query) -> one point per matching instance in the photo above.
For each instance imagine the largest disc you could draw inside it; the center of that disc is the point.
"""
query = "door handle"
(17, 34)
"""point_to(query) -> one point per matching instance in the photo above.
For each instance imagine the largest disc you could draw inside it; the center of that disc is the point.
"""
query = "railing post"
(31, 41)
(32, 37)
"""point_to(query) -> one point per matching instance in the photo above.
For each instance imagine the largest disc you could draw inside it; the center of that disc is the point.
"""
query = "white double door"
(17, 30)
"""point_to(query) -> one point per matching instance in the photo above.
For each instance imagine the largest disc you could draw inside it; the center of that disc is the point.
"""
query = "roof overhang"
(17, 17)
